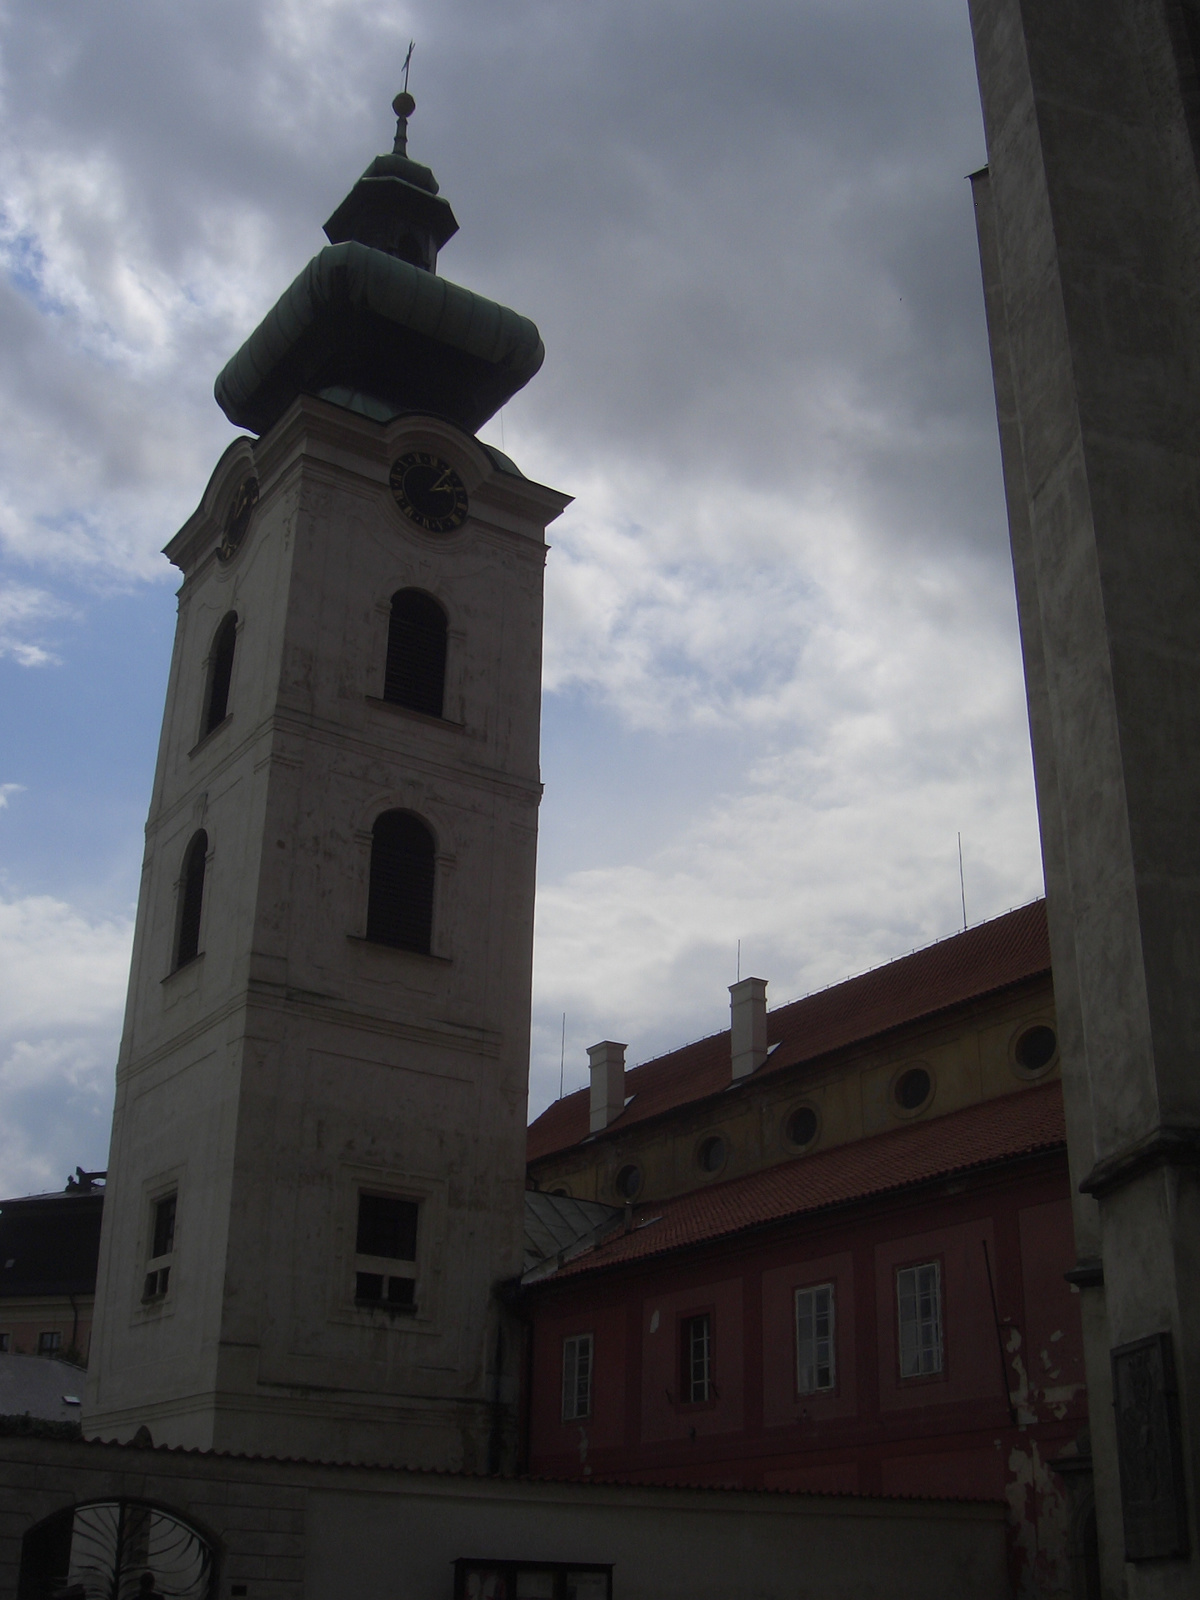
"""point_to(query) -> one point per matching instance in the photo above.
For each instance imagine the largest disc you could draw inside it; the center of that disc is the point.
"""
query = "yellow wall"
(968, 1054)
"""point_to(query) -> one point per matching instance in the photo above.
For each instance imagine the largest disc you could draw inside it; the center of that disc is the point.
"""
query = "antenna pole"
(739, 961)
(562, 1057)
(962, 884)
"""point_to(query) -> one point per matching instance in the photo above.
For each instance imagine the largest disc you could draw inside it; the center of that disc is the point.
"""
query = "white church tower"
(317, 1164)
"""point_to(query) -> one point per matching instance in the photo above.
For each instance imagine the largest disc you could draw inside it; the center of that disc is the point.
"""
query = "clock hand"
(440, 485)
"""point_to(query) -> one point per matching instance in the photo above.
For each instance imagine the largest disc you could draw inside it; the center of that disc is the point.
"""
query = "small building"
(49, 1245)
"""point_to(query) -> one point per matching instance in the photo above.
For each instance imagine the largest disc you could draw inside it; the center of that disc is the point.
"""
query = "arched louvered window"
(191, 900)
(220, 674)
(400, 902)
(416, 654)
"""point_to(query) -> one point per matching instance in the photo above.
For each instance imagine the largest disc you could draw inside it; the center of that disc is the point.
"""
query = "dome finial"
(403, 105)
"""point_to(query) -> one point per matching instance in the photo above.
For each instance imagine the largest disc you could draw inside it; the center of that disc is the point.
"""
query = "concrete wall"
(289, 1531)
(1093, 237)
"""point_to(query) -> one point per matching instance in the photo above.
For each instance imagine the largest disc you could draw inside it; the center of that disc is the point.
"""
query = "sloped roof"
(1023, 1123)
(36, 1386)
(50, 1243)
(989, 957)
(556, 1225)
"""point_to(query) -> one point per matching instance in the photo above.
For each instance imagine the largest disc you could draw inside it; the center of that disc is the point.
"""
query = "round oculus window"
(913, 1089)
(712, 1153)
(628, 1181)
(802, 1126)
(1034, 1049)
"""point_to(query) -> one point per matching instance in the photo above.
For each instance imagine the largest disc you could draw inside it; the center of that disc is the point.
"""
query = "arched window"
(220, 673)
(415, 675)
(400, 902)
(191, 901)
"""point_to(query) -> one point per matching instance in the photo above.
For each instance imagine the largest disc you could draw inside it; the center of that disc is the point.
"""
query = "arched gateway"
(116, 1550)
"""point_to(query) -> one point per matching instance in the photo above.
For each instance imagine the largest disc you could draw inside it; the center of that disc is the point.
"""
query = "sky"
(782, 666)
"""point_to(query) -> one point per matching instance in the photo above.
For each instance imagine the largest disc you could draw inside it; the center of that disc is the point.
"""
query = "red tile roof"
(995, 954)
(1024, 1123)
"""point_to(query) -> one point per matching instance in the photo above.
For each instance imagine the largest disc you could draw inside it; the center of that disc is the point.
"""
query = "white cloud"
(62, 992)
(24, 611)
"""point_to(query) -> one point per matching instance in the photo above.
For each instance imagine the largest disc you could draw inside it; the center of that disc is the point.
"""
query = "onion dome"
(369, 324)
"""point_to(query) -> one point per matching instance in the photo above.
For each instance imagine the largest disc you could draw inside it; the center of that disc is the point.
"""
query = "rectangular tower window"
(814, 1339)
(696, 1358)
(919, 1305)
(386, 1252)
(162, 1248)
(164, 1227)
(49, 1344)
(577, 1377)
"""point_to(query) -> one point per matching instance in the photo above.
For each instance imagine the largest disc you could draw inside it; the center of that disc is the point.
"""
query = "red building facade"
(886, 1315)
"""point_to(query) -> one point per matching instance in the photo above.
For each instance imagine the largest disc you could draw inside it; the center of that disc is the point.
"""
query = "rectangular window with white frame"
(919, 1308)
(385, 1259)
(577, 1377)
(161, 1253)
(695, 1377)
(816, 1365)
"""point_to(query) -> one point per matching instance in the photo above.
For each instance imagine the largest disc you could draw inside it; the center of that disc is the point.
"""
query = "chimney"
(608, 1083)
(747, 1027)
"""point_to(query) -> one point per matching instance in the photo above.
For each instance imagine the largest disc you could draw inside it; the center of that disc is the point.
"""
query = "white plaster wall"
(293, 1062)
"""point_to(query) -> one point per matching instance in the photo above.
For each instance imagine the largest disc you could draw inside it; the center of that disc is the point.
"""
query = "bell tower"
(317, 1159)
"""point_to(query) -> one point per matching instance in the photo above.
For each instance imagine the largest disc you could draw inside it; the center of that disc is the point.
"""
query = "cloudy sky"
(782, 669)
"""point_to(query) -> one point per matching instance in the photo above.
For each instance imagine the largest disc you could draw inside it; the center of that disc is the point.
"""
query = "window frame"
(392, 653)
(817, 1388)
(187, 883)
(229, 628)
(937, 1371)
(399, 1275)
(381, 898)
(578, 1342)
(685, 1356)
(158, 1273)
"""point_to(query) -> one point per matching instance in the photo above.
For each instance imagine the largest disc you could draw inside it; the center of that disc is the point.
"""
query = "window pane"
(815, 1365)
(387, 1227)
(164, 1227)
(368, 1286)
(220, 674)
(577, 1377)
(191, 901)
(696, 1353)
(919, 1306)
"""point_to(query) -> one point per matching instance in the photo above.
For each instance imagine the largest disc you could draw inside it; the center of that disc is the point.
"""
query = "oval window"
(912, 1089)
(712, 1154)
(1035, 1048)
(802, 1126)
(628, 1181)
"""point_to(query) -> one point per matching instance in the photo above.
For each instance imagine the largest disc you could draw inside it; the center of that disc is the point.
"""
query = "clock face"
(238, 520)
(429, 492)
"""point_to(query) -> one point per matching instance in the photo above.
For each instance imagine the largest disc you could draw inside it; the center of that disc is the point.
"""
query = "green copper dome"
(369, 325)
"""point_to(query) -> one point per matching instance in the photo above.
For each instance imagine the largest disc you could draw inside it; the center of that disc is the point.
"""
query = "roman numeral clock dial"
(429, 492)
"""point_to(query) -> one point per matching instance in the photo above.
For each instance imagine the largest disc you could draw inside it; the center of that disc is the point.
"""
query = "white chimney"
(608, 1083)
(747, 1028)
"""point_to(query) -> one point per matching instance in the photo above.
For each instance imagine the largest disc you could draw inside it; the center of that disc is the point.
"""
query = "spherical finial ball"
(404, 105)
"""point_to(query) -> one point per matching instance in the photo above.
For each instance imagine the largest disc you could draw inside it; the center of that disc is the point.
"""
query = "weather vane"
(407, 60)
